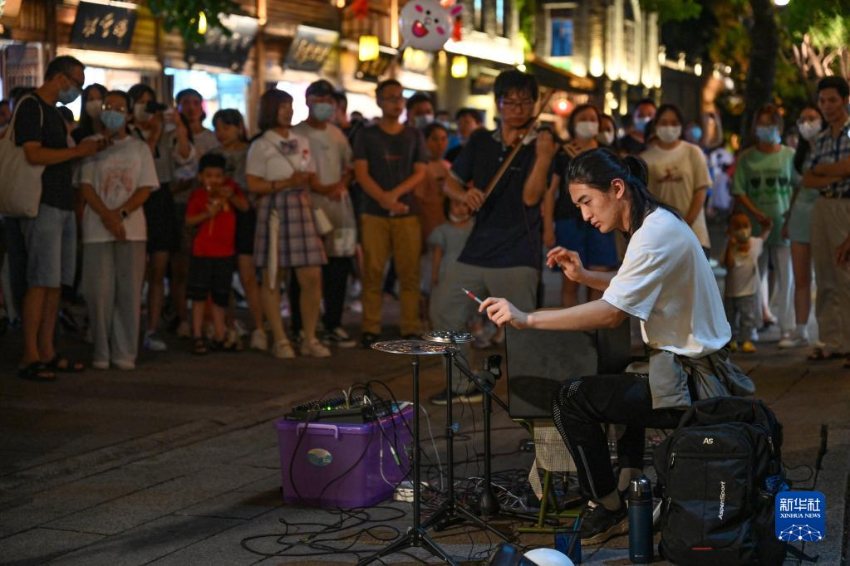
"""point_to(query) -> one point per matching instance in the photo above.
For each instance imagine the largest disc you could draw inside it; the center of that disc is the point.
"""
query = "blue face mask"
(69, 95)
(113, 120)
(323, 111)
(696, 133)
(423, 120)
(768, 134)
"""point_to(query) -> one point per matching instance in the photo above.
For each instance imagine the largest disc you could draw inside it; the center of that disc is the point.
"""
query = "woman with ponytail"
(666, 282)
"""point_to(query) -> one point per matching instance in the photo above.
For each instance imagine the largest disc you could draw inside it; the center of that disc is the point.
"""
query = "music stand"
(416, 535)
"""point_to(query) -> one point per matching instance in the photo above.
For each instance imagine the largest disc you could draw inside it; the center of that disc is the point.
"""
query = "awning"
(549, 75)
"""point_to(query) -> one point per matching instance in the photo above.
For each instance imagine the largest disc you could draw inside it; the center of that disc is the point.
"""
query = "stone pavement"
(177, 462)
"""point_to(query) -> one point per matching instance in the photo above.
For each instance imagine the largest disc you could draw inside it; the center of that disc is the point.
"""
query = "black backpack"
(719, 473)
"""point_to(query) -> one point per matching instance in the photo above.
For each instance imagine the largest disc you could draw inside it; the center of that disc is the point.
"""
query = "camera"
(153, 106)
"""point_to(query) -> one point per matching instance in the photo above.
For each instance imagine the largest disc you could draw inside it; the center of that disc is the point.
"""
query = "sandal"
(199, 347)
(36, 371)
(63, 364)
(222, 346)
(820, 355)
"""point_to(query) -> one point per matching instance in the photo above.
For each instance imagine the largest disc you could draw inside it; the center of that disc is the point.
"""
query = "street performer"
(667, 283)
(502, 254)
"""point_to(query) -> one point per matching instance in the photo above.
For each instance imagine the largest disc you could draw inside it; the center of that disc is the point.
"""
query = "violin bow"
(507, 162)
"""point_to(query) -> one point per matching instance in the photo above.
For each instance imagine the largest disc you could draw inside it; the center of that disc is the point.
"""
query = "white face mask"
(140, 114)
(587, 130)
(94, 108)
(810, 129)
(669, 134)
(605, 138)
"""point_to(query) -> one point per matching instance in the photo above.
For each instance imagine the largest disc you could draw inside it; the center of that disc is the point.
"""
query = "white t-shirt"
(116, 173)
(667, 283)
(742, 280)
(274, 158)
(674, 175)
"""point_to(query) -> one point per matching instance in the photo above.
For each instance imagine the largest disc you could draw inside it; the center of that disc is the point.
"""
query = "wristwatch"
(124, 214)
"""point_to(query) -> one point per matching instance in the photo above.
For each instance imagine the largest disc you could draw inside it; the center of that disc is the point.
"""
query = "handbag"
(21, 189)
(324, 226)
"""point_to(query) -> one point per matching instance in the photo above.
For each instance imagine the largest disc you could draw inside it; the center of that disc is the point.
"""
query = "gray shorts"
(51, 243)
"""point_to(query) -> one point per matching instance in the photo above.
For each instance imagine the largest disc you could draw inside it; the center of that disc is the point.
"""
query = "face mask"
(809, 129)
(641, 123)
(69, 95)
(446, 124)
(113, 120)
(94, 108)
(768, 134)
(140, 114)
(423, 120)
(458, 219)
(742, 234)
(669, 134)
(587, 130)
(323, 111)
(696, 133)
(605, 138)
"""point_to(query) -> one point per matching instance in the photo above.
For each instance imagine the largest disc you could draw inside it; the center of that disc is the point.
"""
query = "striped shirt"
(828, 149)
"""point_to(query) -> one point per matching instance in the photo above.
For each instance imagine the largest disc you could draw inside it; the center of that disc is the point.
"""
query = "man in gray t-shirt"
(389, 162)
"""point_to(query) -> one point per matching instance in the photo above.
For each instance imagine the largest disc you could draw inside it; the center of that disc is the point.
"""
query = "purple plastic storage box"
(343, 465)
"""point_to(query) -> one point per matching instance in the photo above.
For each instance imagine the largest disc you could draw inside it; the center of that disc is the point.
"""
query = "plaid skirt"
(299, 244)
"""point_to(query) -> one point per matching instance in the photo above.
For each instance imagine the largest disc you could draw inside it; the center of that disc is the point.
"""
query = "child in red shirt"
(211, 265)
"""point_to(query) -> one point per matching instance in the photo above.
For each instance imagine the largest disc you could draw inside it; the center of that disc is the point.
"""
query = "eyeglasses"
(516, 104)
(78, 84)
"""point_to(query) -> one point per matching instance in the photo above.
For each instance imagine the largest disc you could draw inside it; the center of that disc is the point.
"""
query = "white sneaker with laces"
(154, 343)
(793, 342)
(315, 349)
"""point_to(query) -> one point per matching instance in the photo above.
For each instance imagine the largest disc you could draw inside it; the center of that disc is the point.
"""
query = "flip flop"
(36, 371)
(64, 364)
(818, 355)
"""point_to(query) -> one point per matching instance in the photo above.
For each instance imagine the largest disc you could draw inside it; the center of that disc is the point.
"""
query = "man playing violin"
(502, 254)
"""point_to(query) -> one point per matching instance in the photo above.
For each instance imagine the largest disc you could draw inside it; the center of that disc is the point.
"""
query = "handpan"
(411, 347)
(448, 337)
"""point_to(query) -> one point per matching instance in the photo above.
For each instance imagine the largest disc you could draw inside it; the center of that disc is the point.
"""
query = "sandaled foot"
(199, 347)
(821, 355)
(36, 371)
(64, 364)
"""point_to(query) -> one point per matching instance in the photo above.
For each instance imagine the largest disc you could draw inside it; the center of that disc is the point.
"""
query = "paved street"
(177, 462)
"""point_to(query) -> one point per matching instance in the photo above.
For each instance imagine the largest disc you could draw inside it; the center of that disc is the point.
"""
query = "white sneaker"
(793, 342)
(154, 343)
(283, 350)
(340, 338)
(100, 364)
(259, 340)
(315, 349)
(126, 366)
(183, 330)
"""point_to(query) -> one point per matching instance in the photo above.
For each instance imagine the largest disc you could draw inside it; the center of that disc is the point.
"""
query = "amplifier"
(337, 410)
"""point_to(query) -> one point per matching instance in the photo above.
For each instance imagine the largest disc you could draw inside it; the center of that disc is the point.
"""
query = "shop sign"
(372, 70)
(222, 50)
(417, 61)
(105, 27)
(483, 81)
(310, 49)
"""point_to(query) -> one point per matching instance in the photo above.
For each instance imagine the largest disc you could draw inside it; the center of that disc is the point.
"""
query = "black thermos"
(640, 521)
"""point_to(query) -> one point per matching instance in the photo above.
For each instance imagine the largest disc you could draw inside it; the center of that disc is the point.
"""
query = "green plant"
(184, 16)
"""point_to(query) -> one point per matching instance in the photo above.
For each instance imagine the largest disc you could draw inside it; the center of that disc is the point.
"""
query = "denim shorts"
(51, 243)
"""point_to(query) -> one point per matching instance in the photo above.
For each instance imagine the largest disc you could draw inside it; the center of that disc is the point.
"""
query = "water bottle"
(640, 520)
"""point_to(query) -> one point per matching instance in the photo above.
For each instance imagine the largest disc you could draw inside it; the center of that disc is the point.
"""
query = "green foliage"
(182, 15)
(805, 16)
(673, 10)
(527, 10)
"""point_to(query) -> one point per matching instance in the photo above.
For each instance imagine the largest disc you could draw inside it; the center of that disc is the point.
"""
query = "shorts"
(594, 248)
(800, 220)
(210, 276)
(246, 226)
(51, 243)
(160, 220)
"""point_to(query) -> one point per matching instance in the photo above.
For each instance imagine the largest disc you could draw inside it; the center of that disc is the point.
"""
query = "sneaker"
(368, 339)
(154, 343)
(442, 399)
(748, 347)
(793, 342)
(598, 524)
(232, 341)
(259, 340)
(340, 338)
(126, 366)
(315, 349)
(100, 364)
(283, 350)
(183, 330)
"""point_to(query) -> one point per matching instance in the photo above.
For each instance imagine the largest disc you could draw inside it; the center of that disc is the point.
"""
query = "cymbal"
(411, 347)
(447, 337)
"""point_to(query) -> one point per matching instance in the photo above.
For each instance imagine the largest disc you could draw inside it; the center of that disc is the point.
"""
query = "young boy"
(742, 279)
(211, 265)
(446, 242)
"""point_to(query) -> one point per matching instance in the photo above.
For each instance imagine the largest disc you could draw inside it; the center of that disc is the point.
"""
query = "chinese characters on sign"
(310, 48)
(99, 26)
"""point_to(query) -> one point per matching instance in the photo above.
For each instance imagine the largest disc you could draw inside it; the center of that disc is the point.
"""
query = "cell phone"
(471, 295)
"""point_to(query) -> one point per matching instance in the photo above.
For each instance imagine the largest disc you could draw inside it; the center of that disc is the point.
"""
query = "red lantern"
(360, 8)
(457, 30)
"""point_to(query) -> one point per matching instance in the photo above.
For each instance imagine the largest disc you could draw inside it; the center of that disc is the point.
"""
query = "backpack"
(719, 473)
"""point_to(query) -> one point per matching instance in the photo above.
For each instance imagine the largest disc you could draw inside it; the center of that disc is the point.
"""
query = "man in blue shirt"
(502, 254)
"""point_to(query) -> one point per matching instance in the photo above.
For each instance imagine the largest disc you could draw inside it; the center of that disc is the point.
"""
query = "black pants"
(583, 404)
(334, 283)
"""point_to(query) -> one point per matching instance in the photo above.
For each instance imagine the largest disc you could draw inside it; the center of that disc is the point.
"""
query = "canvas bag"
(20, 192)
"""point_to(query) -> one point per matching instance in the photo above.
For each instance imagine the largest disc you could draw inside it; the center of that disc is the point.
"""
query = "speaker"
(538, 361)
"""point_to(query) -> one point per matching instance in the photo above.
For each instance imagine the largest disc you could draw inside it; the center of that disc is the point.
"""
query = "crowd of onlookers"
(145, 211)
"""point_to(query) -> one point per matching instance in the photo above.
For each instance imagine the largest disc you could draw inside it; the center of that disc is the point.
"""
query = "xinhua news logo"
(800, 516)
